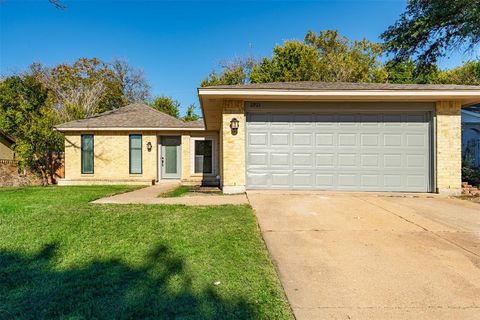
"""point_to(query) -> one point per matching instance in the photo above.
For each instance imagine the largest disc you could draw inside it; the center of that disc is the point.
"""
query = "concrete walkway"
(149, 195)
(368, 256)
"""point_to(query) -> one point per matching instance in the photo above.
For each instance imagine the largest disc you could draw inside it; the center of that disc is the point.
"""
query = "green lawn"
(177, 192)
(61, 257)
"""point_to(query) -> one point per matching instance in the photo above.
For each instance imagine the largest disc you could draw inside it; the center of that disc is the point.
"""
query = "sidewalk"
(149, 195)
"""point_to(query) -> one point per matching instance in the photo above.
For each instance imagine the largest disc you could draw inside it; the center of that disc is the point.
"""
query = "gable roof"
(131, 117)
(317, 85)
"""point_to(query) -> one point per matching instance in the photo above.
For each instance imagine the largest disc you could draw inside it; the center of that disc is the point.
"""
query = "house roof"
(131, 117)
(7, 137)
(316, 85)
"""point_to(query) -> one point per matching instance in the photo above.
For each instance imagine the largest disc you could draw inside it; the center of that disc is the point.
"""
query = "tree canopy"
(329, 57)
(429, 29)
(190, 114)
(27, 114)
(91, 86)
(166, 105)
(326, 56)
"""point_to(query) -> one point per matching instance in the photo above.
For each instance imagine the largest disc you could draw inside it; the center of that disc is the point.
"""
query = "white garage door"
(375, 147)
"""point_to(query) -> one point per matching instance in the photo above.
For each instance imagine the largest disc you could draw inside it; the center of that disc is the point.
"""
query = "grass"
(181, 191)
(64, 258)
(177, 192)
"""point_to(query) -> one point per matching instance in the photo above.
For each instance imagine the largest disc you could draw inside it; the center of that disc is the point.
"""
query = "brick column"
(186, 169)
(233, 148)
(449, 147)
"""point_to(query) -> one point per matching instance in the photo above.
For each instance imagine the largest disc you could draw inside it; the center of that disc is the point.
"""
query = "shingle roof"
(315, 85)
(137, 115)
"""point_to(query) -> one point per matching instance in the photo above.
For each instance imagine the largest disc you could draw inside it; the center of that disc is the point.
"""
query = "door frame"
(159, 156)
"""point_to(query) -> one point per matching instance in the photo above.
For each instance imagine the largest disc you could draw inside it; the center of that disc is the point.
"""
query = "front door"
(170, 157)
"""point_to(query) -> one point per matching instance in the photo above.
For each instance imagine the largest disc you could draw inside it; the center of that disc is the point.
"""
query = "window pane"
(87, 153)
(203, 156)
(135, 153)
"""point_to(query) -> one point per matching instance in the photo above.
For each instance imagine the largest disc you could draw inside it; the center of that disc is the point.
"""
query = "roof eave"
(466, 96)
(62, 129)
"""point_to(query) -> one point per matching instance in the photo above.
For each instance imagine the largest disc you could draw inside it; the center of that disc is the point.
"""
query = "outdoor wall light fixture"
(149, 146)
(234, 124)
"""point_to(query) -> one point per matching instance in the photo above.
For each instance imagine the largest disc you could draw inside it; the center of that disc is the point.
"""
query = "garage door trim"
(357, 109)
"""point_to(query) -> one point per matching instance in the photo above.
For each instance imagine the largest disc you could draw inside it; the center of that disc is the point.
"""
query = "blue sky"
(176, 43)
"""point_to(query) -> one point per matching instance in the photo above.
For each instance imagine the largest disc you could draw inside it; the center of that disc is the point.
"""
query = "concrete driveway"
(371, 256)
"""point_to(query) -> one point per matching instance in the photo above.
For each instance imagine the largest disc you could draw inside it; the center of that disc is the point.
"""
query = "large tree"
(468, 74)
(90, 86)
(232, 72)
(341, 59)
(26, 113)
(133, 84)
(294, 61)
(429, 29)
(326, 56)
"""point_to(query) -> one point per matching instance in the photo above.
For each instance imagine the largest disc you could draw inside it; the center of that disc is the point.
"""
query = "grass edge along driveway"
(62, 257)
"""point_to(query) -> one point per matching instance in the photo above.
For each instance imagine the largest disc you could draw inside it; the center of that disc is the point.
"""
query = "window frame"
(82, 156)
(130, 153)
(192, 155)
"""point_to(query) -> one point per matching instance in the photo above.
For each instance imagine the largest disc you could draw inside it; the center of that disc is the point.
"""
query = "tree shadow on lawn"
(30, 288)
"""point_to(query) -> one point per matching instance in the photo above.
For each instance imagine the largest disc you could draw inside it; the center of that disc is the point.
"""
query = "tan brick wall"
(449, 144)
(233, 147)
(5, 152)
(111, 161)
(186, 156)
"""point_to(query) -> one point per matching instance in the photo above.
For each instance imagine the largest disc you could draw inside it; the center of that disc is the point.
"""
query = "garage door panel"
(369, 140)
(416, 140)
(258, 139)
(303, 180)
(371, 151)
(258, 179)
(347, 160)
(392, 140)
(370, 161)
(281, 179)
(370, 180)
(303, 160)
(325, 160)
(302, 139)
(280, 159)
(257, 158)
(347, 180)
(325, 180)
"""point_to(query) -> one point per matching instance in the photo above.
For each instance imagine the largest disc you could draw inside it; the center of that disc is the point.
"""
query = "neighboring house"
(290, 136)
(471, 136)
(6, 150)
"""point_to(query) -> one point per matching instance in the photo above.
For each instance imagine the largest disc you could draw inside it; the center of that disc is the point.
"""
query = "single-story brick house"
(295, 136)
